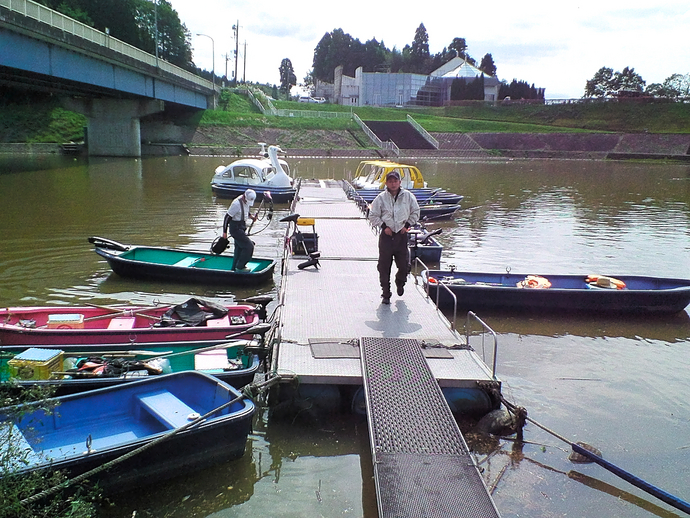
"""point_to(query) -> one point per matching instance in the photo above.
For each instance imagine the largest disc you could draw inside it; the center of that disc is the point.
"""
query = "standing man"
(394, 211)
(236, 219)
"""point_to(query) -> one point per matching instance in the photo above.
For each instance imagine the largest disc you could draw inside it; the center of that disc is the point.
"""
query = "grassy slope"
(48, 122)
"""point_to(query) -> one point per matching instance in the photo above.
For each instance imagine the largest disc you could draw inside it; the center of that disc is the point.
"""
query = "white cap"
(250, 196)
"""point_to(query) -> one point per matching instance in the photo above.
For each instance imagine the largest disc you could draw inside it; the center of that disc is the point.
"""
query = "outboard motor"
(312, 261)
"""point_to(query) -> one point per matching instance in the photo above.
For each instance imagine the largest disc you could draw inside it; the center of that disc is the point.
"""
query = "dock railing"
(472, 317)
(425, 268)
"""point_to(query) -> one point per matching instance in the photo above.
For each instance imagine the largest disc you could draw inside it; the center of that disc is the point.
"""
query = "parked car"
(309, 99)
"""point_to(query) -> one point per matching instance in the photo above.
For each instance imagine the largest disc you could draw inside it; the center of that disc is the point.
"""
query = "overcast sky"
(553, 45)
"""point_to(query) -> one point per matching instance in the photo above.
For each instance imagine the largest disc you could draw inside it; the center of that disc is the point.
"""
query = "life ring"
(603, 281)
(432, 280)
(535, 282)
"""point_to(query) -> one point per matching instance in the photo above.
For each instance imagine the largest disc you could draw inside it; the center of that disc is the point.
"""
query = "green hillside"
(45, 121)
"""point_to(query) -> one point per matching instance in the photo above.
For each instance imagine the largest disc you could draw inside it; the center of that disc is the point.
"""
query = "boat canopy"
(371, 174)
(249, 171)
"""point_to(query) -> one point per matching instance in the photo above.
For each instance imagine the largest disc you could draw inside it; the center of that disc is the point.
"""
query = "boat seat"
(218, 322)
(167, 408)
(187, 261)
(122, 323)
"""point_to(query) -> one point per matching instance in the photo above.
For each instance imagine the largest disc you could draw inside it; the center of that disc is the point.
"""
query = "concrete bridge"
(112, 83)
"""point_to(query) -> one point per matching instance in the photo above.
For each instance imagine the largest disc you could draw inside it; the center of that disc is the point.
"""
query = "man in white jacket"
(394, 211)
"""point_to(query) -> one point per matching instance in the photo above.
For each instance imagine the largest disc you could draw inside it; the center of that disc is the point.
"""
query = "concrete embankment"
(224, 141)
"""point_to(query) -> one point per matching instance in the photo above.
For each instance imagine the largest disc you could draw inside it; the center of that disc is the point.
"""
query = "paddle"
(588, 451)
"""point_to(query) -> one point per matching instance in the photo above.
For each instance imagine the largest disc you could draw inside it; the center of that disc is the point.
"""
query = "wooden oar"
(136, 312)
(223, 345)
(258, 329)
(113, 353)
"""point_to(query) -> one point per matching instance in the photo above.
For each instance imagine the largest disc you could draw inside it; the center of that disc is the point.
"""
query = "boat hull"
(120, 419)
(567, 293)
(429, 252)
(97, 326)
(240, 376)
(440, 211)
(422, 195)
(278, 194)
(167, 264)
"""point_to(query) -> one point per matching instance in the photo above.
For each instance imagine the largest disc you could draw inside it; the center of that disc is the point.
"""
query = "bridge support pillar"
(113, 124)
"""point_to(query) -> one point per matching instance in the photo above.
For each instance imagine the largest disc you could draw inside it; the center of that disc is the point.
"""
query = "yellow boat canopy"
(371, 174)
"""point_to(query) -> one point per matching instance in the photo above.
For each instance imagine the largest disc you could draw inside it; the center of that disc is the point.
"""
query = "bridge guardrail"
(69, 25)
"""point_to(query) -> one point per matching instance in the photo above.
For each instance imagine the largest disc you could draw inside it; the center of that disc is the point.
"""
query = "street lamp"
(213, 51)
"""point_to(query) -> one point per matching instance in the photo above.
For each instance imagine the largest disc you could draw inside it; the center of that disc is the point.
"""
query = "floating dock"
(332, 330)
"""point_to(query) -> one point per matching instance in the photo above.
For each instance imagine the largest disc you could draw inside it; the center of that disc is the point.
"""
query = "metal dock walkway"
(326, 318)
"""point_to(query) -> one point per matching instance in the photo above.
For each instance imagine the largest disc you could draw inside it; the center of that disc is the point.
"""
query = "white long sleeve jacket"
(395, 212)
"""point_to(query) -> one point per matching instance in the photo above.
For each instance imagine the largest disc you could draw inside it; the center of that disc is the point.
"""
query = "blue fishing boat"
(584, 293)
(423, 245)
(84, 431)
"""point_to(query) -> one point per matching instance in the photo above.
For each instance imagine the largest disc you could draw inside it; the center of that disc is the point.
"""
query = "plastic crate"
(66, 321)
(311, 241)
(36, 364)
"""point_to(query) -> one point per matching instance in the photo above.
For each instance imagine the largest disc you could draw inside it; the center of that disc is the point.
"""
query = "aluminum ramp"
(422, 466)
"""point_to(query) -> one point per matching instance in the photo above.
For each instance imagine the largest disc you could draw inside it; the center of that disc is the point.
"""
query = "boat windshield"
(245, 174)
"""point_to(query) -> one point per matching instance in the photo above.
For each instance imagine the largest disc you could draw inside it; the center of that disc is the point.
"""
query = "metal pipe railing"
(471, 315)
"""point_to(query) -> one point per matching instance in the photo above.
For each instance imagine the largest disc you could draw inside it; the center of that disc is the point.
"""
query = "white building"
(400, 89)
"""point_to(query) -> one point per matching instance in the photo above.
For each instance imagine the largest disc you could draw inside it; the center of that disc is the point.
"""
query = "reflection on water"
(619, 384)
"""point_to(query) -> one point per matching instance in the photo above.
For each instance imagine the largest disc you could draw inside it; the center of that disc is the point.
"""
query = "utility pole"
(244, 73)
(227, 58)
(236, 29)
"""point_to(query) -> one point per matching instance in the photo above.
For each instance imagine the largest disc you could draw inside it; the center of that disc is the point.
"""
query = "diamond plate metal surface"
(443, 486)
(405, 405)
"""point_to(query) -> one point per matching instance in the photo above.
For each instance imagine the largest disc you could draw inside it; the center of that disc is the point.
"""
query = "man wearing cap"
(236, 220)
(394, 211)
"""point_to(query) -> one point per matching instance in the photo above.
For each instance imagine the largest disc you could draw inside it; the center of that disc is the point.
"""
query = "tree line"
(135, 22)
(628, 83)
(338, 48)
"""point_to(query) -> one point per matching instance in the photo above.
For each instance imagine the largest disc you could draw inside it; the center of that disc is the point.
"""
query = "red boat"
(195, 320)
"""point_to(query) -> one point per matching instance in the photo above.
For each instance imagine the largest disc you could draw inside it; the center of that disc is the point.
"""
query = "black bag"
(219, 245)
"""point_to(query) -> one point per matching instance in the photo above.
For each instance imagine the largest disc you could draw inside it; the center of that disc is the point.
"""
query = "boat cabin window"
(246, 174)
(269, 172)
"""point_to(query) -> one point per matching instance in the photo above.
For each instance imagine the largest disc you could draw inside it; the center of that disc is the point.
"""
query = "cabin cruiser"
(265, 173)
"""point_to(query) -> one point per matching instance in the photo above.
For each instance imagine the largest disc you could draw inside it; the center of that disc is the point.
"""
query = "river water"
(619, 384)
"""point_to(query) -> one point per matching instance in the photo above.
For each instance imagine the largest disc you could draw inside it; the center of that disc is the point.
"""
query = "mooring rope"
(585, 450)
(249, 391)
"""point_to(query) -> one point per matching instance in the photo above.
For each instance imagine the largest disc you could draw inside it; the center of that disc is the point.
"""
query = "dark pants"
(393, 248)
(244, 247)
